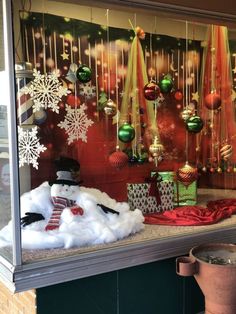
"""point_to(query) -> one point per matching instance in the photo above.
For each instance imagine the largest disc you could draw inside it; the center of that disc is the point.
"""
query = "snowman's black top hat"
(67, 171)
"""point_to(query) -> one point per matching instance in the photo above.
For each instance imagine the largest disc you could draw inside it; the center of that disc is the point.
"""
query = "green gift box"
(182, 195)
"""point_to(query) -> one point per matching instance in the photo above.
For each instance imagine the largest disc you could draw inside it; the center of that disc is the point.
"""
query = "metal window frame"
(12, 132)
(20, 277)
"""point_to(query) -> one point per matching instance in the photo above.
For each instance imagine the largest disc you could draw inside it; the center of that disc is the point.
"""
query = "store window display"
(144, 104)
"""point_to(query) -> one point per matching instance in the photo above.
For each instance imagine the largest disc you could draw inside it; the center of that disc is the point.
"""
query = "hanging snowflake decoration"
(76, 123)
(29, 147)
(46, 91)
(88, 91)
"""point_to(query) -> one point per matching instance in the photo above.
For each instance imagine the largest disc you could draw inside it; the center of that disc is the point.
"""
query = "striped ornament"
(24, 103)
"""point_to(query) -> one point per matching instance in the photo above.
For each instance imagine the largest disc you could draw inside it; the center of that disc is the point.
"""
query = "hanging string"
(79, 48)
(102, 63)
(50, 52)
(156, 53)
(151, 58)
(96, 76)
(117, 99)
(186, 84)
(44, 40)
(55, 48)
(27, 45)
(135, 20)
(186, 66)
(183, 75)
(178, 63)
(168, 62)
(212, 90)
(123, 67)
(34, 48)
(108, 57)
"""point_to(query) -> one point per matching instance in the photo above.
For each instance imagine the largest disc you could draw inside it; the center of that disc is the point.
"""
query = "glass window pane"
(5, 184)
(63, 111)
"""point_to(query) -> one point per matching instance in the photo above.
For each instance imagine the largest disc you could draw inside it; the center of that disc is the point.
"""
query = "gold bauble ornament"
(187, 174)
(226, 151)
(219, 170)
(186, 113)
(156, 149)
(110, 108)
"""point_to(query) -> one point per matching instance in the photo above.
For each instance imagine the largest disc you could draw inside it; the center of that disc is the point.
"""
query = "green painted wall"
(148, 289)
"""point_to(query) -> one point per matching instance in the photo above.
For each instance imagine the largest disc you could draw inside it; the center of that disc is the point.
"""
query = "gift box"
(139, 196)
(185, 195)
(182, 195)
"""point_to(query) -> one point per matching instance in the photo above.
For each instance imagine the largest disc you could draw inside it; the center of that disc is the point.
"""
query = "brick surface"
(18, 303)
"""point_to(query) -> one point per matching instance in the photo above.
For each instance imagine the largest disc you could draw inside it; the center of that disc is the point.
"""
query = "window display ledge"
(61, 269)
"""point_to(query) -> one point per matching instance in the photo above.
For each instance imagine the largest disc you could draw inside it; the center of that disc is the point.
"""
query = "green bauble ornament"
(194, 124)
(126, 133)
(84, 73)
(166, 84)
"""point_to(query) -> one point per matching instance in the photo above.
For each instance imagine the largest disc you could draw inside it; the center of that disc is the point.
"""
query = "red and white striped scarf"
(59, 204)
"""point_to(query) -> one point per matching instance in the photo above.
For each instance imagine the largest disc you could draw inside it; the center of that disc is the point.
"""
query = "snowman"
(61, 214)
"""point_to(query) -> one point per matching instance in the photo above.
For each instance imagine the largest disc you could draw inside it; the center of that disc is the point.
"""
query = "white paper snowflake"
(29, 146)
(76, 123)
(46, 91)
(88, 90)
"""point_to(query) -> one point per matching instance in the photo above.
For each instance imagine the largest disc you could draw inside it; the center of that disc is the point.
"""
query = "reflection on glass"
(87, 80)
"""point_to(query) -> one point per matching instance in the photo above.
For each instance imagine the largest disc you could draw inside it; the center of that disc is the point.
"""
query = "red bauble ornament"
(72, 100)
(212, 101)
(187, 174)
(118, 159)
(178, 95)
(151, 91)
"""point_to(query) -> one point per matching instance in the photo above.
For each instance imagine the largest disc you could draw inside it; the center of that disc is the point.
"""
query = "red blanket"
(194, 215)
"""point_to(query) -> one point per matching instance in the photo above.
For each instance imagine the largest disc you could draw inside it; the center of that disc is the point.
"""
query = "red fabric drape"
(194, 215)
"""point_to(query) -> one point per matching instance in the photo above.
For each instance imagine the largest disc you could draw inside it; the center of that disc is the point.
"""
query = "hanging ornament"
(29, 146)
(118, 159)
(126, 133)
(212, 101)
(194, 124)
(24, 74)
(166, 84)
(110, 108)
(84, 73)
(151, 91)
(219, 170)
(226, 152)
(156, 149)
(186, 114)
(140, 32)
(71, 75)
(133, 159)
(76, 123)
(73, 100)
(46, 91)
(187, 174)
(178, 95)
(88, 91)
(40, 117)
(143, 157)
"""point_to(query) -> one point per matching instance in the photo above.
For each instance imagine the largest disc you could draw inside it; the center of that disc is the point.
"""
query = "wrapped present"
(144, 196)
(182, 195)
(185, 195)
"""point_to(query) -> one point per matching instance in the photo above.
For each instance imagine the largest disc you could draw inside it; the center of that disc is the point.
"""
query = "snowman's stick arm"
(108, 210)
(29, 218)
